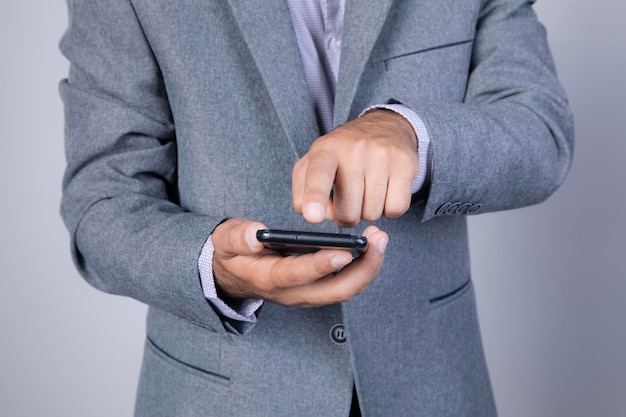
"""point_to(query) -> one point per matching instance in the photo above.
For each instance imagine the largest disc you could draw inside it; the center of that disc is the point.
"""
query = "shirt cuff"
(423, 140)
(246, 308)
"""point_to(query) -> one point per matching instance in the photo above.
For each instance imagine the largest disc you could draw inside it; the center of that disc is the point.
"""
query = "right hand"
(244, 268)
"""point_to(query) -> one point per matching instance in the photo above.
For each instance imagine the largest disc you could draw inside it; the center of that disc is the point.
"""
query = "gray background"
(550, 279)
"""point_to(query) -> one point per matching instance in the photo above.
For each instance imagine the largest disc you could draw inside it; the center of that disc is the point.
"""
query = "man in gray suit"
(190, 125)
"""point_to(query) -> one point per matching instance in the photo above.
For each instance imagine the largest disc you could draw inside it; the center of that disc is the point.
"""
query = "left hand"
(243, 268)
(370, 163)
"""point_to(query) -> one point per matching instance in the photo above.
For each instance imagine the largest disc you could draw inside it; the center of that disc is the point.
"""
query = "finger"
(374, 195)
(368, 264)
(398, 199)
(237, 237)
(319, 178)
(298, 175)
(348, 197)
(330, 210)
(297, 189)
(299, 271)
(272, 277)
(378, 239)
(400, 186)
(347, 283)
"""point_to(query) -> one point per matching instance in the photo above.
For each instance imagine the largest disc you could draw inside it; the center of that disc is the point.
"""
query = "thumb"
(237, 237)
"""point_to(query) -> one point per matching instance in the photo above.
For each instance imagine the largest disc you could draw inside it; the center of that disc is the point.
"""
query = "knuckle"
(293, 281)
(371, 269)
(371, 215)
(286, 275)
(319, 170)
(407, 158)
(346, 222)
(372, 211)
(323, 141)
(273, 282)
(265, 288)
(405, 164)
(396, 210)
(382, 153)
(321, 265)
(233, 237)
(359, 145)
(319, 151)
(316, 194)
(398, 199)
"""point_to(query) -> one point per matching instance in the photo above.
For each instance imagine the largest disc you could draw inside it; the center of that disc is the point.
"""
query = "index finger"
(318, 182)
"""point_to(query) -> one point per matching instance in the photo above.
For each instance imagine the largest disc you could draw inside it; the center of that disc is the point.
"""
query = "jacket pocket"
(185, 345)
(451, 296)
(460, 43)
(429, 73)
(184, 366)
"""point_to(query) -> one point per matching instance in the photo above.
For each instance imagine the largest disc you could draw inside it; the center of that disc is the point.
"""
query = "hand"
(370, 163)
(243, 268)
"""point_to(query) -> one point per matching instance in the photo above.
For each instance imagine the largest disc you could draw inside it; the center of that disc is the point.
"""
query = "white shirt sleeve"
(246, 308)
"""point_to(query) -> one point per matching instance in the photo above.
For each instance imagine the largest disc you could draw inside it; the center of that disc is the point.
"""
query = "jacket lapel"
(363, 22)
(267, 28)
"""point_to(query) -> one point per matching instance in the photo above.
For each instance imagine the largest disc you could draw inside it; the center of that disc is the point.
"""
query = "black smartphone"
(291, 242)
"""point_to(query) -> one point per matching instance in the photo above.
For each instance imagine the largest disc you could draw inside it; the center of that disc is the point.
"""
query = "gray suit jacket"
(182, 113)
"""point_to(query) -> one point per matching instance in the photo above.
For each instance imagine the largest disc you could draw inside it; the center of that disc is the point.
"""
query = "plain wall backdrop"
(551, 279)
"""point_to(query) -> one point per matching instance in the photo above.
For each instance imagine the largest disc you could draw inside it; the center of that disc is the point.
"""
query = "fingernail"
(251, 239)
(314, 211)
(382, 244)
(339, 261)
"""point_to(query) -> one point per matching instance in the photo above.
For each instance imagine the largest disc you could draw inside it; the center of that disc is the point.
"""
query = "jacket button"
(464, 208)
(441, 211)
(475, 208)
(338, 334)
(453, 209)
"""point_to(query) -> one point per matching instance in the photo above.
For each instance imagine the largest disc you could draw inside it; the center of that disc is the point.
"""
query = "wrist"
(394, 120)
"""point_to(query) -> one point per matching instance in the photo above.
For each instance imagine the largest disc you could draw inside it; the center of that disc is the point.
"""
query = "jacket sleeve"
(128, 234)
(510, 143)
